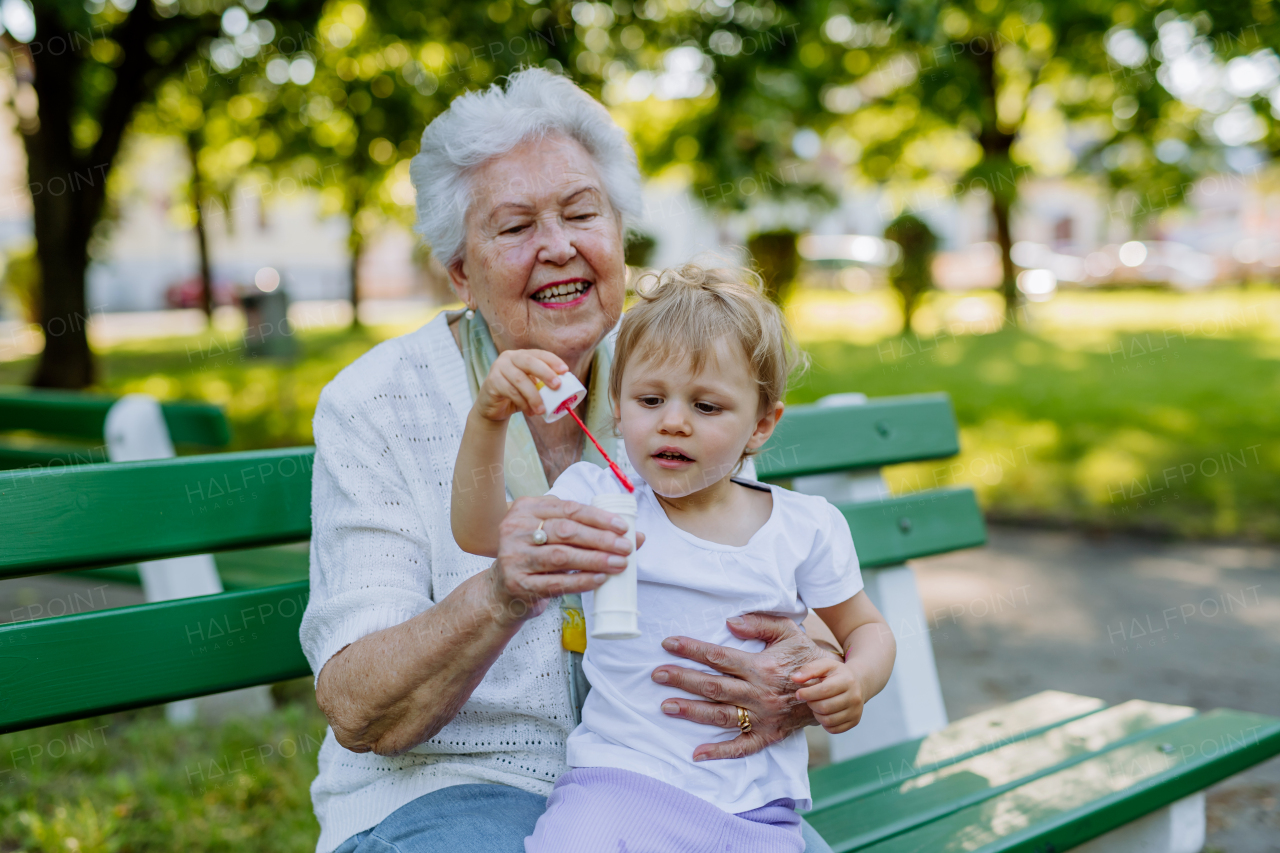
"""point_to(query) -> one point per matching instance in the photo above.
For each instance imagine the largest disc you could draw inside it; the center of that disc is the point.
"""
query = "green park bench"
(1044, 774)
(54, 429)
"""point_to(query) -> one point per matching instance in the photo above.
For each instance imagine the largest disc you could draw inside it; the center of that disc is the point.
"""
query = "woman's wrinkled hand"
(761, 682)
(584, 546)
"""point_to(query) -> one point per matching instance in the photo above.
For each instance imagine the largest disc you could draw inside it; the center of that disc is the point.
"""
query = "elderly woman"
(448, 681)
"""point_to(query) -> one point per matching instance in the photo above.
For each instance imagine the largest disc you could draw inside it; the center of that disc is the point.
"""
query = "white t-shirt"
(802, 557)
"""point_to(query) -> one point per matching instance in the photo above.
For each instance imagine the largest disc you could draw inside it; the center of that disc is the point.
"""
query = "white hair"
(484, 124)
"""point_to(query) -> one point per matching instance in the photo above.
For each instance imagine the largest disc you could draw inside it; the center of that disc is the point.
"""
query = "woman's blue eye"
(515, 229)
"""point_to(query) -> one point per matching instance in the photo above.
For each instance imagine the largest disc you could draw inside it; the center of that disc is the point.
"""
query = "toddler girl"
(699, 372)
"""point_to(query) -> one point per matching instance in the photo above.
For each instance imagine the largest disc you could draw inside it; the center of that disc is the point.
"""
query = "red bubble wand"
(567, 406)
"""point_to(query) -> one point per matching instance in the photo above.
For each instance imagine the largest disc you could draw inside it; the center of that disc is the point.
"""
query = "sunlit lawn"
(132, 782)
(1079, 417)
(1134, 411)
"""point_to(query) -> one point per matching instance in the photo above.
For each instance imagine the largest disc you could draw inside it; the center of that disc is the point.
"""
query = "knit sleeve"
(370, 554)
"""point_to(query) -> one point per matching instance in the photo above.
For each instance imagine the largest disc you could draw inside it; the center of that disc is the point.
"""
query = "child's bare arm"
(479, 487)
(841, 689)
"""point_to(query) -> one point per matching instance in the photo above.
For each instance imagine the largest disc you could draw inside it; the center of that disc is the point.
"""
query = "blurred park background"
(1065, 214)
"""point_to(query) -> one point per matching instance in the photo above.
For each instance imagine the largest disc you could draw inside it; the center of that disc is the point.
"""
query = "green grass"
(270, 403)
(1137, 412)
(1077, 419)
(132, 782)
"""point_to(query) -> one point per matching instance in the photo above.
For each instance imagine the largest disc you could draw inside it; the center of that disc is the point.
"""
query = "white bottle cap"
(621, 503)
(570, 389)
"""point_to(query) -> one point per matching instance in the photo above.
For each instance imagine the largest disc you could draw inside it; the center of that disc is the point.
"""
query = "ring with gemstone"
(540, 535)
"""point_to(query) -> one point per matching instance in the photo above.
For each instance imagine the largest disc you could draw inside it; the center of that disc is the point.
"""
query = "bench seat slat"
(818, 439)
(1086, 799)
(72, 667)
(78, 415)
(974, 735)
(899, 529)
(251, 569)
(105, 515)
(893, 810)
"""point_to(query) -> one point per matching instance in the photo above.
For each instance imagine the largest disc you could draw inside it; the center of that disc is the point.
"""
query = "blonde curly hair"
(682, 312)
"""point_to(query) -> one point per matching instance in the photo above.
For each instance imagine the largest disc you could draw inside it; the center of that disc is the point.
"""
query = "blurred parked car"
(186, 293)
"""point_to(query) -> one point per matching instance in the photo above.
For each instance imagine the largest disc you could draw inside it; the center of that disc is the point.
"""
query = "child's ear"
(765, 426)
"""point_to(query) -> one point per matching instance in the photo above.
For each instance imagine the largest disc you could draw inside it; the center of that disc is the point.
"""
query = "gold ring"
(540, 535)
(744, 720)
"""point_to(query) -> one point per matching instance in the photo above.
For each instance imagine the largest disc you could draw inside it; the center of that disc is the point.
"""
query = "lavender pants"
(608, 810)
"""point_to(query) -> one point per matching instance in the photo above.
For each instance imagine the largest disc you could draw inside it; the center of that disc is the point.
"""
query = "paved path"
(1118, 618)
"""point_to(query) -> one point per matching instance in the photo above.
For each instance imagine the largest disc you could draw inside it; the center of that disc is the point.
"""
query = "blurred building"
(1067, 229)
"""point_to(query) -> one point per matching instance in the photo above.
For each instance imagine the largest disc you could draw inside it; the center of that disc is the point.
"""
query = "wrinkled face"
(543, 258)
(686, 431)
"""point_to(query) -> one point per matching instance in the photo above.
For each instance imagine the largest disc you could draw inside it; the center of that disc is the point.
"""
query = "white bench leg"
(1176, 828)
(136, 431)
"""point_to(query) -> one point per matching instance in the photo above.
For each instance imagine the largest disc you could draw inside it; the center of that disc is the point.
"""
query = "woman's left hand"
(760, 682)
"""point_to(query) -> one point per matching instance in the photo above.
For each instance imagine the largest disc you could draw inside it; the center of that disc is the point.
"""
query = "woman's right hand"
(510, 386)
(584, 546)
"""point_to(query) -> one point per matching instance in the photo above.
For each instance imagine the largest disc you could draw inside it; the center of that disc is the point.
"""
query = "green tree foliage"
(777, 260)
(80, 76)
(746, 102)
(949, 97)
(912, 275)
(21, 280)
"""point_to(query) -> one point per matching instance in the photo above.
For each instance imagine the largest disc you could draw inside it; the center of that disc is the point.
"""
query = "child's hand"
(510, 388)
(836, 697)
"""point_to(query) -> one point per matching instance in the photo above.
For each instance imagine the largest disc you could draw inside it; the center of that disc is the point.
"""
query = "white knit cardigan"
(387, 431)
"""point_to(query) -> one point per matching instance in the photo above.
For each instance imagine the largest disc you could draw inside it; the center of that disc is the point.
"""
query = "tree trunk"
(1008, 281)
(909, 302)
(998, 171)
(355, 244)
(68, 187)
(66, 196)
(202, 239)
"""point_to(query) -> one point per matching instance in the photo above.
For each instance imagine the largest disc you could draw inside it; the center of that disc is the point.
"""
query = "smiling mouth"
(562, 293)
(672, 456)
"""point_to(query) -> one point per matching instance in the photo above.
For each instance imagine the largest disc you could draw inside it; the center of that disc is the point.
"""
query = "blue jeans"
(473, 819)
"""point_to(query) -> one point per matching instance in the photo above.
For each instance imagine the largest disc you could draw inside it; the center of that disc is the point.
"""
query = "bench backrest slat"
(105, 515)
(50, 456)
(76, 666)
(815, 440)
(82, 416)
(102, 515)
(895, 530)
